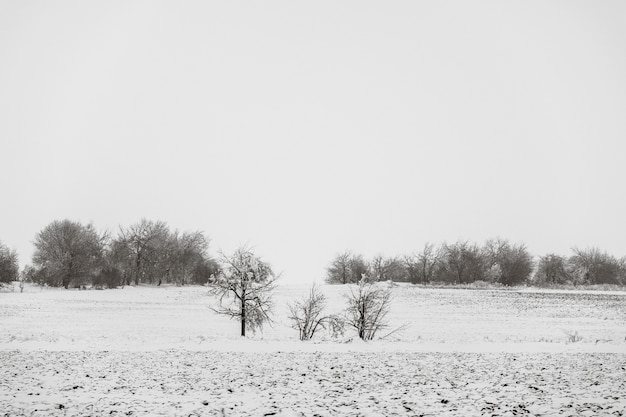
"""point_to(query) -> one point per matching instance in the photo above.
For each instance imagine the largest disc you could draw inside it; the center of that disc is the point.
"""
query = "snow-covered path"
(185, 383)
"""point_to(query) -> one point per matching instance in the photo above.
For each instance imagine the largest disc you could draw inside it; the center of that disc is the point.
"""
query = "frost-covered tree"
(9, 265)
(67, 252)
(244, 287)
(368, 306)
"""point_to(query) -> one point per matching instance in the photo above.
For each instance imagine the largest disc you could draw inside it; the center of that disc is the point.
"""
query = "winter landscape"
(164, 351)
(174, 177)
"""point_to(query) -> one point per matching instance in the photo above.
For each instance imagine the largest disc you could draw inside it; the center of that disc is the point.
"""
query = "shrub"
(307, 315)
(367, 309)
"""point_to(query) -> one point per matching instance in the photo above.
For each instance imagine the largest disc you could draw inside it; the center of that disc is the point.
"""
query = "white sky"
(306, 129)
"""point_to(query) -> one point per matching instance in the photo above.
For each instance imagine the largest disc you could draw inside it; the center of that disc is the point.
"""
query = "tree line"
(496, 261)
(70, 254)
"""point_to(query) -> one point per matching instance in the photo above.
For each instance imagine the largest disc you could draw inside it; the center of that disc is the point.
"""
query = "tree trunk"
(137, 265)
(243, 318)
(68, 275)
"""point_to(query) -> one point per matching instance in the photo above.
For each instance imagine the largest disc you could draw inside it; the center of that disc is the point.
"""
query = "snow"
(164, 351)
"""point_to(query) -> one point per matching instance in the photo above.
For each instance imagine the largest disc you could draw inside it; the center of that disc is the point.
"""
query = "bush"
(367, 309)
(307, 315)
(109, 277)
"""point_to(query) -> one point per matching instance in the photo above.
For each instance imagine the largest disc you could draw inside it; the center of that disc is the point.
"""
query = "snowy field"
(163, 351)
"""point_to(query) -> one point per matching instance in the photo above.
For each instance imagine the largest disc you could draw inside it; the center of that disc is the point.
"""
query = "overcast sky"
(304, 129)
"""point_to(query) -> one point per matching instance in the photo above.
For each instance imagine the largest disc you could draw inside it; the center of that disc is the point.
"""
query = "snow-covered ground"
(163, 351)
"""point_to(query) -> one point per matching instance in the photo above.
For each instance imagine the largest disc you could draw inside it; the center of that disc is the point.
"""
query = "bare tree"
(67, 252)
(388, 269)
(368, 306)
(307, 314)
(139, 245)
(339, 270)
(190, 251)
(593, 266)
(461, 263)
(244, 287)
(552, 269)
(421, 267)
(205, 271)
(346, 268)
(358, 268)
(149, 252)
(507, 264)
(9, 265)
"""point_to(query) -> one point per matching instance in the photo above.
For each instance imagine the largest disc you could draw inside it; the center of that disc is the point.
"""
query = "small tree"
(368, 307)
(250, 283)
(307, 314)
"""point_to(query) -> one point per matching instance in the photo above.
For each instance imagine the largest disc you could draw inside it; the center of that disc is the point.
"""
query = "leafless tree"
(9, 266)
(507, 263)
(205, 271)
(307, 315)
(461, 263)
(244, 287)
(593, 266)
(339, 270)
(139, 246)
(189, 251)
(149, 252)
(421, 267)
(552, 269)
(388, 269)
(67, 252)
(622, 270)
(368, 306)
(346, 268)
